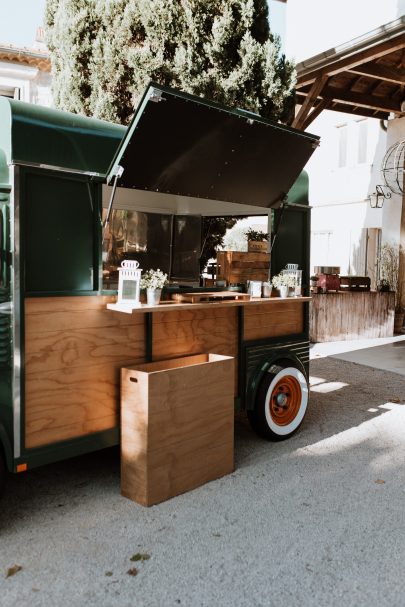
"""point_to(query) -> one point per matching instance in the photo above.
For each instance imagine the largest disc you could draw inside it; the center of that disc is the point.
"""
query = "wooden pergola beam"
(323, 104)
(309, 102)
(382, 72)
(353, 60)
(373, 102)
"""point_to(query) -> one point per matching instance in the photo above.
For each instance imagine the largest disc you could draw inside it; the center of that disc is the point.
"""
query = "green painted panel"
(38, 135)
(298, 194)
(292, 242)
(58, 233)
(71, 448)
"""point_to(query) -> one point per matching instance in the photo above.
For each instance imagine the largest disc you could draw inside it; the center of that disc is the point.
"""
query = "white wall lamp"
(376, 199)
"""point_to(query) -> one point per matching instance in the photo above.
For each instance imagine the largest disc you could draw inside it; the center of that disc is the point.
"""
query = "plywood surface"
(168, 306)
(210, 296)
(285, 317)
(74, 350)
(177, 427)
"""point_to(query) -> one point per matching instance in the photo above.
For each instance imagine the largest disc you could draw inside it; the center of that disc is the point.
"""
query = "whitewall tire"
(281, 402)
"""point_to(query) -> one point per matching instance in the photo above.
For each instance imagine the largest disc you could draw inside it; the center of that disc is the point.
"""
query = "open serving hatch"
(184, 158)
(195, 154)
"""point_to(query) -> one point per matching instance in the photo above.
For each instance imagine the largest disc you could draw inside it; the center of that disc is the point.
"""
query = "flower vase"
(153, 296)
(283, 290)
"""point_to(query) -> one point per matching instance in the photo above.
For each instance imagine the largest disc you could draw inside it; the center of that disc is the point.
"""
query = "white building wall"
(345, 231)
(393, 206)
(29, 83)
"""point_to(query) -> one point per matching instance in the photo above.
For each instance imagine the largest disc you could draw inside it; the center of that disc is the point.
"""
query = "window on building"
(362, 141)
(342, 160)
(10, 91)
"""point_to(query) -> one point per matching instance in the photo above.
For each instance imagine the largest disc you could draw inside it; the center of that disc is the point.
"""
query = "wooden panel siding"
(181, 333)
(74, 350)
(342, 316)
(275, 319)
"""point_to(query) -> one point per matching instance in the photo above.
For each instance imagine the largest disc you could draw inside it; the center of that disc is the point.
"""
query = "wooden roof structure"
(365, 77)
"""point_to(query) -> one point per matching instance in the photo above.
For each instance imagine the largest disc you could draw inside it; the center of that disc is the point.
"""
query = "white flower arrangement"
(284, 280)
(153, 279)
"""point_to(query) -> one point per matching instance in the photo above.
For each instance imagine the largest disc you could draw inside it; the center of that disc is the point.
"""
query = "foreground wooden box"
(177, 424)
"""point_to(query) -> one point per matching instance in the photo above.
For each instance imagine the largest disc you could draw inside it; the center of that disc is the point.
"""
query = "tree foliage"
(105, 52)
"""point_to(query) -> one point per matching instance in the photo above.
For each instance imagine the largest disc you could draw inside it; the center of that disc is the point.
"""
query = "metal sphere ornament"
(392, 167)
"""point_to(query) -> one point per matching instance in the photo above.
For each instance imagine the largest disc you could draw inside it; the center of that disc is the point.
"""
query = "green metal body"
(52, 168)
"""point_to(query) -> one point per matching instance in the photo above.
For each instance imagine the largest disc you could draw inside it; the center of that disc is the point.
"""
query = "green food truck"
(62, 178)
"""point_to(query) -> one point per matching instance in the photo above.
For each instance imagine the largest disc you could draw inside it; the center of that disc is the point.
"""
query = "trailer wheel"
(3, 472)
(281, 402)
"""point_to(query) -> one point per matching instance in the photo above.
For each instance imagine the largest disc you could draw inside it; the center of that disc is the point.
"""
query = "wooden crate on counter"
(239, 266)
(208, 296)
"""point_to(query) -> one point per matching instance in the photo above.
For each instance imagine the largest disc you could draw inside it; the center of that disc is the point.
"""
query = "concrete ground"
(386, 353)
(317, 520)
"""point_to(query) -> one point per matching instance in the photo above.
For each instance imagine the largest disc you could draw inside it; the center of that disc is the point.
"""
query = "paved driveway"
(316, 520)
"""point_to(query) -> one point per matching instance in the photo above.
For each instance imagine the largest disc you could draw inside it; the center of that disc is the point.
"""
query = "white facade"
(25, 82)
(25, 72)
(346, 231)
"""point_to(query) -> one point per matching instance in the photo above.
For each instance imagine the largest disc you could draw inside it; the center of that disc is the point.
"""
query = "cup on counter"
(255, 288)
(266, 289)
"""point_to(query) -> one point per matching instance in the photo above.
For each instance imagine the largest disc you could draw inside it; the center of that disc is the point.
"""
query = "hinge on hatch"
(155, 95)
(118, 171)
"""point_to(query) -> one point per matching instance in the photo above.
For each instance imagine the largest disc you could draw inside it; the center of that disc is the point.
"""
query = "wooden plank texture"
(210, 296)
(237, 266)
(185, 332)
(74, 350)
(342, 316)
(177, 426)
(272, 320)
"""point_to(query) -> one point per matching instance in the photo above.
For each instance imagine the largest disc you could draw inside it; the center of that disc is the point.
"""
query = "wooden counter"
(166, 306)
(352, 315)
(75, 348)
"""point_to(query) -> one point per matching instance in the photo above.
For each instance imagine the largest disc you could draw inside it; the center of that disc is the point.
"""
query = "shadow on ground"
(76, 483)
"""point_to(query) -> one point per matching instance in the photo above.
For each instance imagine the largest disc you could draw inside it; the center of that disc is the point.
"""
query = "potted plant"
(285, 284)
(257, 240)
(153, 281)
(391, 262)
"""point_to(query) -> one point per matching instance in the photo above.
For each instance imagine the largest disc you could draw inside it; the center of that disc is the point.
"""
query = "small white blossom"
(153, 279)
(284, 280)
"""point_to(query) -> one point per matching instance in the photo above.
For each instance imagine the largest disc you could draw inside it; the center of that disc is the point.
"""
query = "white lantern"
(129, 283)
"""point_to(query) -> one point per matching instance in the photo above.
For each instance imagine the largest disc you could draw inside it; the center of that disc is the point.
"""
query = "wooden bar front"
(343, 316)
(75, 348)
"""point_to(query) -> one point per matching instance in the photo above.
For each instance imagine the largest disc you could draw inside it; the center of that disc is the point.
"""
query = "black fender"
(270, 359)
(5, 446)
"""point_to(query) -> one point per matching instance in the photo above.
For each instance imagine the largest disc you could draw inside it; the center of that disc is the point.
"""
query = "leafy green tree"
(104, 53)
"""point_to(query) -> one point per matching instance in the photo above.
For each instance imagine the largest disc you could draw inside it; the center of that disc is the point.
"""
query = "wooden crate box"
(239, 266)
(177, 425)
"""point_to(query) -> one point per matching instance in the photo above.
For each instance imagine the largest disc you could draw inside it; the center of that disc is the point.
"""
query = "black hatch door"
(186, 146)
